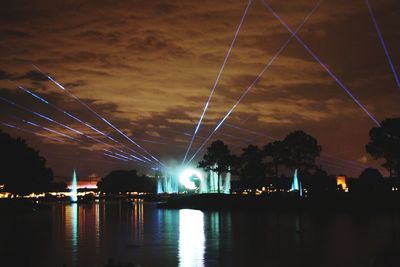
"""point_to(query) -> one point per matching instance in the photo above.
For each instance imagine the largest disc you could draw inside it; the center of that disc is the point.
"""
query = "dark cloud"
(33, 76)
(4, 75)
(14, 34)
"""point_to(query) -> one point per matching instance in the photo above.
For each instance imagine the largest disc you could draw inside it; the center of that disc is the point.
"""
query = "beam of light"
(258, 77)
(62, 125)
(100, 117)
(51, 130)
(340, 165)
(67, 136)
(378, 31)
(33, 94)
(249, 131)
(42, 135)
(217, 79)
(320, 62)
(349, 163)
(32, 132)
(114, 157)
(80, 121)
(39, 115)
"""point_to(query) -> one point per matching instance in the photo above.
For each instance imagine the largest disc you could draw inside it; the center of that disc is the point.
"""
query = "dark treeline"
(275, 163)
(272, 164)
(23, 169)
(126, 181)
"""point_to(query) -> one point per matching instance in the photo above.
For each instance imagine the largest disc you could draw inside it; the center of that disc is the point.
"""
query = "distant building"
(341, 182)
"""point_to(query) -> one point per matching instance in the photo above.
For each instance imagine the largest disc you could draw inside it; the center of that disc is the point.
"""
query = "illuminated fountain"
(160, 186)
(227, 184)
(212, 183)
(74, 188)
(296, 184)
(194, 181)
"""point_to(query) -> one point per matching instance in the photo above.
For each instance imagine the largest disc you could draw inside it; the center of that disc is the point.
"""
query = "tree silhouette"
(385, 144)
(301, 150)
(252, 168)
(370, 179)
(126, 181)
(276, 152)
(23, 170)
(217, 159)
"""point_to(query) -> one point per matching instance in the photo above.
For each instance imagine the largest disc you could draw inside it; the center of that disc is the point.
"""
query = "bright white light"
(185, 176)
(191, 238)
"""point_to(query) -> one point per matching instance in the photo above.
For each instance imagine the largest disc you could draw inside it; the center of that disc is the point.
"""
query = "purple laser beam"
(258, 77)
(99, 116)
(217, 79)
(78, 120)
(378, 31)
(321, 63)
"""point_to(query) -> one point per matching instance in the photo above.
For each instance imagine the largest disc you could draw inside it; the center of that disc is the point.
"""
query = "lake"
(90, 234)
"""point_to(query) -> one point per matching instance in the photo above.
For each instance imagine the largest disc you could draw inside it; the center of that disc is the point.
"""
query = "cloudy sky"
(149, 66)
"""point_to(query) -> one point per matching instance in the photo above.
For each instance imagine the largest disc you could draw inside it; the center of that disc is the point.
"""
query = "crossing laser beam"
(64, 126)
(258, 77)
(217, 79)
(100, 117)
(79, 120)
(32, 132)
(51, 138)
(114, 157)
(348, 163)
(51, 130)
(382, 40)
(320, 62)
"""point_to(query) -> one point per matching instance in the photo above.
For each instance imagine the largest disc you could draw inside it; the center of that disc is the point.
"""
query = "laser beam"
(100, 117)
(114, 157)
(217, 79)
(64, 126)
(48, 137)
(79, 120)
(258, 77)
(320, 62)
(51, 130)
(378, 31)
(32, 132)
(349, 163)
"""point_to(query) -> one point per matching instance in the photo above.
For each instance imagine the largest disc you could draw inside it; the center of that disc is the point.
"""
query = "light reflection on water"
(88, 235)
(191, 238)
(71, 231)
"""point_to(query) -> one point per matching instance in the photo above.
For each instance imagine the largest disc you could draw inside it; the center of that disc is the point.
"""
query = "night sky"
(149, 66)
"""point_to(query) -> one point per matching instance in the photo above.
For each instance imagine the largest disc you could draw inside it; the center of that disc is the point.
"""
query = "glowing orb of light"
(186, 178)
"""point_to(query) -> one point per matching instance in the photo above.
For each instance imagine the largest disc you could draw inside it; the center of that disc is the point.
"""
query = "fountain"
(296, 184)
(194, 180)
(74, 188)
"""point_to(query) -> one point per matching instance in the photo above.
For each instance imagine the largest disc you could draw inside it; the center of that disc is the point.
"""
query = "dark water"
(88, 235)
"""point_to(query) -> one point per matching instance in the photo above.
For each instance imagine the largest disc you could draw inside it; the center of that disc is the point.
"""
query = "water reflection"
(97, 226)
(72, 230)
(138, 220)
(191, 238)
